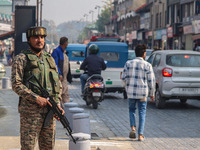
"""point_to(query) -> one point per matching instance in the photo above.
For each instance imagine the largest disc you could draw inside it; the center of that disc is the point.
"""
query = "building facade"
(162, 24)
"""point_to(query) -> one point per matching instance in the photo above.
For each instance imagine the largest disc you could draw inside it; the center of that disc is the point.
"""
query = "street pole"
(153, 19)
(125, 24)
(37, 18)
(91, 12)
(98, 7)
(41, 13)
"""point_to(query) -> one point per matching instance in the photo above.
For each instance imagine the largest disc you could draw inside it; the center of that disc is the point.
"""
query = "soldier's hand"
(63, 112)
(152, 98)
(42, 102)
(61, 77)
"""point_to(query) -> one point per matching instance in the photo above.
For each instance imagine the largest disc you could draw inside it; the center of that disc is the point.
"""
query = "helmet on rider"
(93, 49)
(36, 31)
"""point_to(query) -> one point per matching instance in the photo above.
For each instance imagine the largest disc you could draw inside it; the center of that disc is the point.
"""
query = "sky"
(69, 10)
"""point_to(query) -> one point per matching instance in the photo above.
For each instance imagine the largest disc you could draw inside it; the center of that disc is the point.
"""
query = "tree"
(105, 16)
(52, 36)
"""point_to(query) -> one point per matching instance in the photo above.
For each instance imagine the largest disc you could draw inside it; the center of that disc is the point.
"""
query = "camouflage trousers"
(31, 131)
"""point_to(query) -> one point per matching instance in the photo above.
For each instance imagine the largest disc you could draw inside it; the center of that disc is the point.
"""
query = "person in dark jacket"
(93, 63)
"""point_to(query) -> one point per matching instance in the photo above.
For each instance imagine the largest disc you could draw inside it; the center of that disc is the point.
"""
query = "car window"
(77, 54)
(110, 56)
(150, 59)
(156, 61)
(148, 53)
(183, 60)
(131, 55)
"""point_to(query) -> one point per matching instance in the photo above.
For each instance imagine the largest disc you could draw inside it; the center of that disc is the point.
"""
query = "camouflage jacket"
(44, 68)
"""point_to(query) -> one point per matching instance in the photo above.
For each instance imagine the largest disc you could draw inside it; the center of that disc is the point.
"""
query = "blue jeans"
(141, 111)
(83, 79)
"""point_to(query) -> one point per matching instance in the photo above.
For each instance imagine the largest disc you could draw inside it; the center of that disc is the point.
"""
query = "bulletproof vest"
(44, 69)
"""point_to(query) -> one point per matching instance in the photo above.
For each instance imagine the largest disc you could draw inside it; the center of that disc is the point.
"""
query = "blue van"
(116, 55)
(76, 54)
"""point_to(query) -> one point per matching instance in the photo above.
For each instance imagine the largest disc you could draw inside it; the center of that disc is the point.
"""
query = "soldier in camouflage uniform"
(32, 107)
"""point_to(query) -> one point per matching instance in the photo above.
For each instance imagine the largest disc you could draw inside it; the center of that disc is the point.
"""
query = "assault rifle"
(54, 109)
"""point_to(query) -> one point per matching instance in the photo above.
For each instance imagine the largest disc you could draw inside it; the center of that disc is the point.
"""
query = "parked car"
(76, 54)
(2, 71)
(177, 74)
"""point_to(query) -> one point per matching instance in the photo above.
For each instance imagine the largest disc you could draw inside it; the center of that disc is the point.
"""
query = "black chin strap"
(36, 49)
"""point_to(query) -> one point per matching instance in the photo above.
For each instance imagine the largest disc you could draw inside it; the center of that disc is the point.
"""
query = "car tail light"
(167, 72)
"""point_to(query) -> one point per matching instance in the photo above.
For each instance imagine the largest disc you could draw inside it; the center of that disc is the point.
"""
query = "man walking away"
(139, 80)
(62, 62)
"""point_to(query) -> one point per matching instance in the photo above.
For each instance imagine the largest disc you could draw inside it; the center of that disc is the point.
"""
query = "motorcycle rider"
(93, 63)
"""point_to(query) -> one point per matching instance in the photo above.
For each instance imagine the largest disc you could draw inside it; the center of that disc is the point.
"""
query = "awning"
(7, 35)
(195, 37)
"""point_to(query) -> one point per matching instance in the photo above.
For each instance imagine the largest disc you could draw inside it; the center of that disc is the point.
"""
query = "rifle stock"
(53, 108)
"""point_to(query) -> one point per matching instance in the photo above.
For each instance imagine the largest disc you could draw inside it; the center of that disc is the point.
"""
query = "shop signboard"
(188, 29)
(134, 34)
(158, 34)
(139, 36)
(196, 26)
(170, 32)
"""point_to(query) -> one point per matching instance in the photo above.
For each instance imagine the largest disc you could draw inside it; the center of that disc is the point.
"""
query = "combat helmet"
(93, 49)
(35, 31)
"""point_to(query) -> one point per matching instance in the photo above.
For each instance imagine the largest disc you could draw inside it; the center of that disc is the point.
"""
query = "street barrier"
(82, 143)
(73, 111)
(81, 123)
(67, 106)
(5, 83)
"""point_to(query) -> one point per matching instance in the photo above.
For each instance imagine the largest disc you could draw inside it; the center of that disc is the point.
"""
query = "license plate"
(109, 82)
(96, 94)
(189, 90)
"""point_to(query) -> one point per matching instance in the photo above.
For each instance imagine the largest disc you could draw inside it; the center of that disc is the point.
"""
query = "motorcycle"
(94, 90)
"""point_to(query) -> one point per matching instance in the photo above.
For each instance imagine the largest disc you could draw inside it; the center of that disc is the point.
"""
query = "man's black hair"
(140, 49)
(63, 40)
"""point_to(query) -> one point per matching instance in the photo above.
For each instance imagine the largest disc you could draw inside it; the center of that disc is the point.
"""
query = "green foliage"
(104, 17)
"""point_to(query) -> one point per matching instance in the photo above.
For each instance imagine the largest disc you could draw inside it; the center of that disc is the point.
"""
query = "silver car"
(177, 74)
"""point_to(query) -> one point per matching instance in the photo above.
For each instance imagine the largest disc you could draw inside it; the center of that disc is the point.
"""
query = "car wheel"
(125, 94)
(159, 100)
(182, 100)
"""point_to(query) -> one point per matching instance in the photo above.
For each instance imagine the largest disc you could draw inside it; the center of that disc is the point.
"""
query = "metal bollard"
(82, 143)
(5, 83)
(81, 123)
(67, 106)
(73, 111)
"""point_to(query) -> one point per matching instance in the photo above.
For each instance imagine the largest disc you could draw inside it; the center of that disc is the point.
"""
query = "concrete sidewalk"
(13, 143)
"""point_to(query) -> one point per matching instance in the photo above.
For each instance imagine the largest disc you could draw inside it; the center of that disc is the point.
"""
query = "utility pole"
(85, 15)
(98, 7)
(91, 12)
(41, 13)
(153, 19)
(37, 17)
(125, 23)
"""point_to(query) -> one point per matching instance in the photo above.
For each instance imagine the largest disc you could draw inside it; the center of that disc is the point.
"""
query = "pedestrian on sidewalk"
(32, 106)
(62, 62)
(139, 80)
